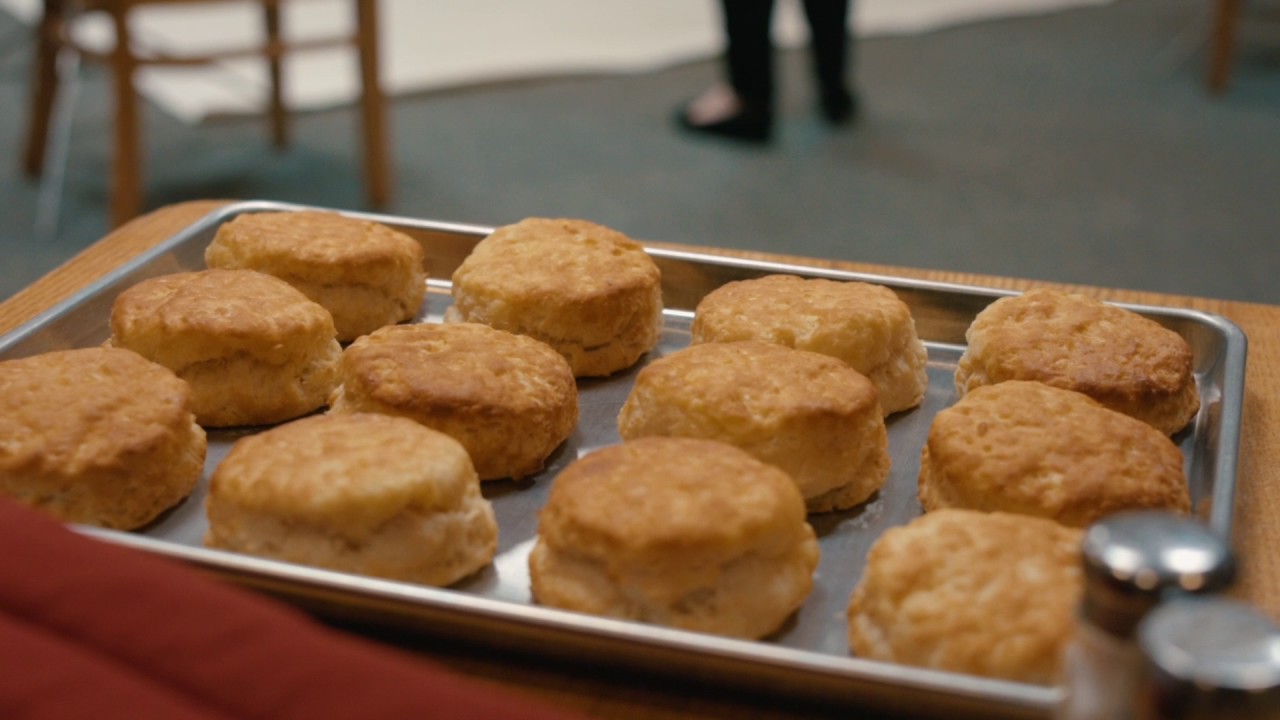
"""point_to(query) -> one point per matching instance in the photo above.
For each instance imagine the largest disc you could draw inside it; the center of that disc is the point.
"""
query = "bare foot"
(716, 104)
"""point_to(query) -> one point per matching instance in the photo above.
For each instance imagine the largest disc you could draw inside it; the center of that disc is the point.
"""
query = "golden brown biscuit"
(809, 414)
(1026, 447)
(364, 273)
(692, 534)
(865, 325)
(99, 436)
(1119, 358)
(369, 494)
(588, 291)
(254, 349)
(989, 594)
(509, 399)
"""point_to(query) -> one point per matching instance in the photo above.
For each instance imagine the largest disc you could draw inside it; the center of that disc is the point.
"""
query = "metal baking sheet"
(809, 657)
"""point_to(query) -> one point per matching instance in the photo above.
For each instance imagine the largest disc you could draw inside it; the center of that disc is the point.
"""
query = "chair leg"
(53, 179)
(1226, 16)
(44, 87)
(275, 63)
(372, 105)
(127, 174)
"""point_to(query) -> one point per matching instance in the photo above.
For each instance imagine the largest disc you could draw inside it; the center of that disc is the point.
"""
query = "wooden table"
(1257, 512)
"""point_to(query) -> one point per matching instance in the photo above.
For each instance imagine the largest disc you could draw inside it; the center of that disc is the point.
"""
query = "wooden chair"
(1222, 43)
(124, 59)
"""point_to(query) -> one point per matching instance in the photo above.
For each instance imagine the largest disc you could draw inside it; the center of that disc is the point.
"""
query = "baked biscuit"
(687, 533)
(509, 399)
(865, 325)
(588, 291)
(809, 414)
(1031, 448)
(989, 594)
(98, 436)
(1115, 356)
(364, 273)
(254, 349)
(369, 494)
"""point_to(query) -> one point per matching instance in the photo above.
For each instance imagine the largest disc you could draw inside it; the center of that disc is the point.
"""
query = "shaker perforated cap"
(1209, 657)
(1134, 560)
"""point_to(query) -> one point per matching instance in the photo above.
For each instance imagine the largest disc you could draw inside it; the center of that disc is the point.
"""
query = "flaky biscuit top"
(861, 323)
(322, 247)
(434, 367)
(349, 473)
(747, 384)
(192, 317)
(93, 407)
(1075, 341)
(662, 500)
(991, 594)
(1029, 447)
(537, 252)
(537, 273)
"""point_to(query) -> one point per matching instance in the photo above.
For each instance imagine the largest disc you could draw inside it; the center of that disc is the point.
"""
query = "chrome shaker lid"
(1209, 657)
(1133, 560)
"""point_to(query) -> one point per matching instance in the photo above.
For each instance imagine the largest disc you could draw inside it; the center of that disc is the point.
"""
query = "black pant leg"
(829, 28)
(749, 49)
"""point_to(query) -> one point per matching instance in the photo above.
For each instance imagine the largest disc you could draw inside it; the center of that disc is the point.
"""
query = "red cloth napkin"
(93, 630)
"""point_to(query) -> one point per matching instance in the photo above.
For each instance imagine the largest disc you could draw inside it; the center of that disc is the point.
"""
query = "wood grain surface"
(1257, 512)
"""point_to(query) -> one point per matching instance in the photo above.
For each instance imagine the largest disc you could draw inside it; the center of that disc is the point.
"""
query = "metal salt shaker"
(1209, 658)
(1132, 562)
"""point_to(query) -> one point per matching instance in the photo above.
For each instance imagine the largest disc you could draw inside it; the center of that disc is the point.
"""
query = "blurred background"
(1066, 141)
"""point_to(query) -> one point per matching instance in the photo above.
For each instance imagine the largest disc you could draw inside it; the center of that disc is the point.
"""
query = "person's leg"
(742, 108)
(829, 30)
(749, 50)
